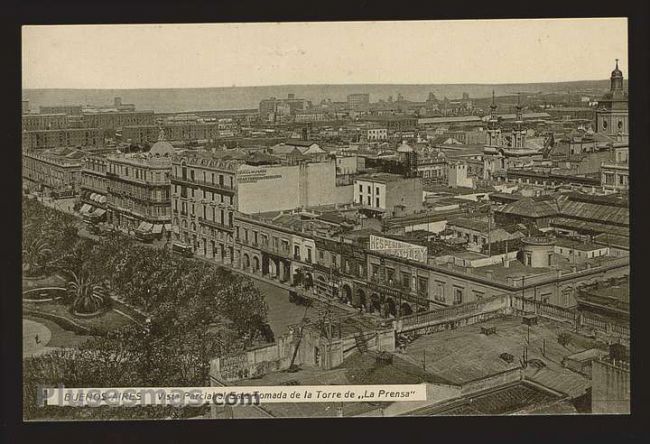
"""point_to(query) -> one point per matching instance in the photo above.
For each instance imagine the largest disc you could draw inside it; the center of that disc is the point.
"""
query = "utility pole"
(489, 230)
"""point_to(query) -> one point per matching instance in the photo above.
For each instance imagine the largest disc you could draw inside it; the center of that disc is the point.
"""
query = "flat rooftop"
(577, 245)
(361, 369)
(465, 354)
(380, 177)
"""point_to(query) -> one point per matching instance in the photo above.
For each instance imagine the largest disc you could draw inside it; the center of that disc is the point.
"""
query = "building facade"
(280, 187)
(388, 194)
(51, 173)
(65, 137)
(615, 173)
(358, 102)
(38, 122)
(117, 119)
(376, 134)
(204, 201)
(133, 190)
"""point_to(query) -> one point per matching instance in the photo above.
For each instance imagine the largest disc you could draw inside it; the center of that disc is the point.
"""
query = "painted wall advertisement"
(398, 248)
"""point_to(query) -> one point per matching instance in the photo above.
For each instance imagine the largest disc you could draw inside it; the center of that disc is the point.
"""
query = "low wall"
(27, 293)
(603, 329)
(314, 350)
(128, 310)
(455, 316)
(610, 391)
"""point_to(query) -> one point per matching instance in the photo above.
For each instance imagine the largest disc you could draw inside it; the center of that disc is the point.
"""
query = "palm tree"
(36, 254)
(87, 295)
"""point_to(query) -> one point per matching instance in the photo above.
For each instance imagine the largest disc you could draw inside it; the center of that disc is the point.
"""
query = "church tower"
(612, 113)
(519, 132)
(493, 131)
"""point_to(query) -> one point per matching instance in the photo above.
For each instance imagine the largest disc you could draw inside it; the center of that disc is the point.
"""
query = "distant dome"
(404, 148)
(162, 147)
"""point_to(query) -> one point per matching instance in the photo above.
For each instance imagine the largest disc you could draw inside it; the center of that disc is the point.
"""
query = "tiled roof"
(299, 142)
(600, 213)
(595, 227)
(613, 240)
(530, 208)
(500, 401)
(470, 224)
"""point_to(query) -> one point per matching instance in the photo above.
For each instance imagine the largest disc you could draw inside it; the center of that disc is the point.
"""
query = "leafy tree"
(79, 258)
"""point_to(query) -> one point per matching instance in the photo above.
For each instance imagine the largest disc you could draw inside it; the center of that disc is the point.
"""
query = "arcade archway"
(405, 309)
(391, 307)
(375, 303)
(346, 295)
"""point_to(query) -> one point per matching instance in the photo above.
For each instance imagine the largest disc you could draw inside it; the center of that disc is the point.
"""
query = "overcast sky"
(421, 52)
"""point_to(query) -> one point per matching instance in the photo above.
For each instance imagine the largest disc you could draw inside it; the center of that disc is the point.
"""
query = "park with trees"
(191, 312)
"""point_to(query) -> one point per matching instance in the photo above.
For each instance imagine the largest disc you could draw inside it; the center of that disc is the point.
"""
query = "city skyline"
(469, 240)
(62, 57)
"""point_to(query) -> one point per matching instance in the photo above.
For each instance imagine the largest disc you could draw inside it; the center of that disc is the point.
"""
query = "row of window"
(212, 196)
(145, 210)
(369, 189)
(369, 201)
(280, 245)
(214, 179)
(388, 275)
(208, 213)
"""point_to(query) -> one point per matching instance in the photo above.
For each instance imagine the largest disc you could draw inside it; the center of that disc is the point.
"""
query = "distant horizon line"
(284, 85)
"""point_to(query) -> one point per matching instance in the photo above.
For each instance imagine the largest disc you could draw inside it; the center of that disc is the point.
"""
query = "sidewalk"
(284, 286)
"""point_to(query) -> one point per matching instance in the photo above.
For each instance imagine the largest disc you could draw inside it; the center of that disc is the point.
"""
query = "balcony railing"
(273, 250)
(202, 183)
(215, 224)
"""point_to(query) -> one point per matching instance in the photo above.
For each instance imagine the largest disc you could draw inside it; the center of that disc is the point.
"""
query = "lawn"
(60, 338)
(108, 321)
(45, 281)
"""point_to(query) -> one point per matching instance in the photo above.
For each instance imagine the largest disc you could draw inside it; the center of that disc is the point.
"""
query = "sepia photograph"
(325, 219)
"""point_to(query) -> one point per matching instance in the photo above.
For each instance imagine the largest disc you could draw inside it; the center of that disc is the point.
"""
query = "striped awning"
(145, 227)
(168, 227)
(157, 228)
